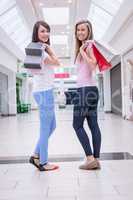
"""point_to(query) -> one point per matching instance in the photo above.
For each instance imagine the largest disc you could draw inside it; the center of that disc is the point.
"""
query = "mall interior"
(112, 23)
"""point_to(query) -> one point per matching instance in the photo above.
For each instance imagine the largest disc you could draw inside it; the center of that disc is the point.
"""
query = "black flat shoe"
(35, 161)
(43, 168)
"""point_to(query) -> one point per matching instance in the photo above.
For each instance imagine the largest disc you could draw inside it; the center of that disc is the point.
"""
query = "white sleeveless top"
(43, 79)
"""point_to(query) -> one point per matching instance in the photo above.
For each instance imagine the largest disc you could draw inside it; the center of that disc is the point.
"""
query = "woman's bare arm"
(51, 58)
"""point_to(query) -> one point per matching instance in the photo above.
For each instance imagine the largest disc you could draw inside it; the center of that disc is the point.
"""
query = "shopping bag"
(102, 62)
(32, 62)
(34, 49)
(33, 58)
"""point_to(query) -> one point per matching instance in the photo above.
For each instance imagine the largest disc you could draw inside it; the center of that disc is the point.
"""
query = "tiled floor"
(18, 136)
(23, 181)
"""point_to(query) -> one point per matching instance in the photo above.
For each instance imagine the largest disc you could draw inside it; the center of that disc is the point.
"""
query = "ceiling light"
(56, 15)
(41, 4)
(69, 1)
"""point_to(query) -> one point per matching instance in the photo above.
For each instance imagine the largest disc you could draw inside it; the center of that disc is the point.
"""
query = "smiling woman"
(86, 101)
(41, 32)
(83, 32)
(43, 94)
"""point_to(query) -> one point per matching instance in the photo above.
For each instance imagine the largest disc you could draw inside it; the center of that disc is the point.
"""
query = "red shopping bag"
(103, 64)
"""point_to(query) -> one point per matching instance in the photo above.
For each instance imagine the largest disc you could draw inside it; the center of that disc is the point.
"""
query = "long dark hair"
(35, 31)
(78, 43)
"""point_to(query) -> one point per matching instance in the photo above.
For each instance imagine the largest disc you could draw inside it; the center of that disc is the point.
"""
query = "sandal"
(44, 168)
(35, 161)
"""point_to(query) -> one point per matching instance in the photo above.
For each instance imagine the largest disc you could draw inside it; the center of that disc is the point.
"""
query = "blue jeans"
(45, 102)
(85, 107)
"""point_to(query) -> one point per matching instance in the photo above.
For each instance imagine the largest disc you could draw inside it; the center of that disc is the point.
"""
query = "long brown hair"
(35, 31)
(78, 43)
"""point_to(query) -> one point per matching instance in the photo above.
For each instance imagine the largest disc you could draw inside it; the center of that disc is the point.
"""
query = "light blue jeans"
(45, 102)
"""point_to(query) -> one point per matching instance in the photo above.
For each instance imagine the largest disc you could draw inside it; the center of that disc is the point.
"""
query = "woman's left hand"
(82, 50)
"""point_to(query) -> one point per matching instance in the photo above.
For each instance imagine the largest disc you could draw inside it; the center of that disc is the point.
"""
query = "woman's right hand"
(52, 58)
(49, 50)
(44, 46)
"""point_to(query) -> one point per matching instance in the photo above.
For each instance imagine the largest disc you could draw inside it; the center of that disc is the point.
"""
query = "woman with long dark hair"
(86, 101)
(43, 95)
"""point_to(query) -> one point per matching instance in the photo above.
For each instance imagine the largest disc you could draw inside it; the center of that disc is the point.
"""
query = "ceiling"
(18, 16)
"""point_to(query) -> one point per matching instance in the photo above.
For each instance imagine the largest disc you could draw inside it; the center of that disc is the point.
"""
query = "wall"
(127, 84)
(107, 86)
(7, 59)
(8, 66)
